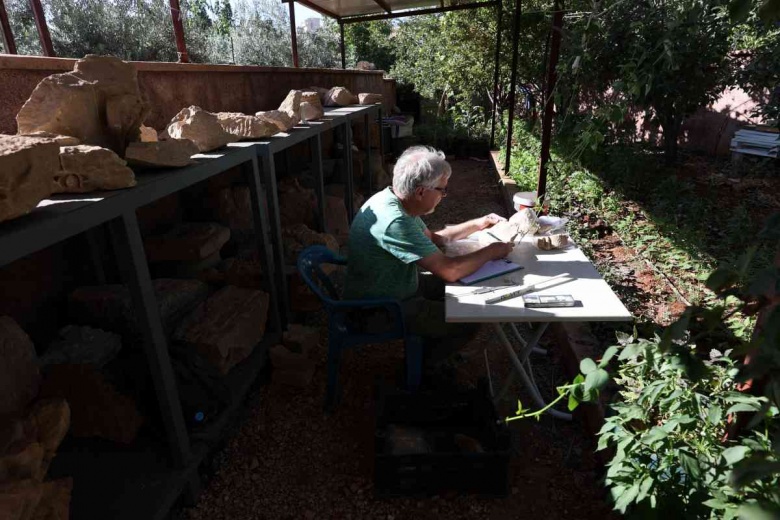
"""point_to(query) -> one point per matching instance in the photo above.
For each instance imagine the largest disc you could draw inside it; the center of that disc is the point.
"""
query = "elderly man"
(388, 241)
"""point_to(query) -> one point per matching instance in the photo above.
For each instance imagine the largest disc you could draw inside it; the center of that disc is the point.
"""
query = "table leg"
(518, 361)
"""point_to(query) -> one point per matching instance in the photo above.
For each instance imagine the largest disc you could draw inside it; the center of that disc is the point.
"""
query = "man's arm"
(463, 230)
(455, 268)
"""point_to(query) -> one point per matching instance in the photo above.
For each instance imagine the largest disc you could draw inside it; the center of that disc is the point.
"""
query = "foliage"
(371, 42)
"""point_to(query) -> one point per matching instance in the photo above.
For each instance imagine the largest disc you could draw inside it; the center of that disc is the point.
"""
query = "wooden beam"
(415, 12)
(43, 29)
(315, 7)
(8, 35)
(383, 5)
(178, 31)
(293, 35)
(341, 45)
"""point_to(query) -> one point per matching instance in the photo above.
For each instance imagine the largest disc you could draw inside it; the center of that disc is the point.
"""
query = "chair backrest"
(309, 266)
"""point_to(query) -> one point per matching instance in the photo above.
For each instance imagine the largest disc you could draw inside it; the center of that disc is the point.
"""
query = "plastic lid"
(520, 200)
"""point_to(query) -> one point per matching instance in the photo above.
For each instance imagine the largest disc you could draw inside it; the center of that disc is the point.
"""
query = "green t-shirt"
(384, 244)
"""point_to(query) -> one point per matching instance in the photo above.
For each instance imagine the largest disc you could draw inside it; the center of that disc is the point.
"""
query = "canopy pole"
(343, 52)
(512, 83)
(552, 77)
(8, 35)
(293, 34)
(178, 31)
(495, 76)
(43, 29)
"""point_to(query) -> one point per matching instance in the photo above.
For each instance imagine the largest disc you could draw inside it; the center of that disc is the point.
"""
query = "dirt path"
(289, 460)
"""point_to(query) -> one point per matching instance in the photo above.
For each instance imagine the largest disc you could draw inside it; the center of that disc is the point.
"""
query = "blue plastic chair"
(341, 333)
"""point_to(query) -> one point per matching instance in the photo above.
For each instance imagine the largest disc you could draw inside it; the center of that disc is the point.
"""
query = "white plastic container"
(524, 199)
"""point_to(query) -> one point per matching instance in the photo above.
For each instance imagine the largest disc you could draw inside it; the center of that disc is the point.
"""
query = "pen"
(522, 290)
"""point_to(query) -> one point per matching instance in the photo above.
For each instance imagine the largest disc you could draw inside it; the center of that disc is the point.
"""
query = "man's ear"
(419, 191)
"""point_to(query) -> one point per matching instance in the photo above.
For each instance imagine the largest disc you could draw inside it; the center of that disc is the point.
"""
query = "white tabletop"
(594, 299)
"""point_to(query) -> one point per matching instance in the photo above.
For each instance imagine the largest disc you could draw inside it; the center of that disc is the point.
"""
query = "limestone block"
(526, 220)
(226, 327)
(78, 345)
(246, 127)
(201, 127)
(25, 461)
(340, 97)
(298, 237)
(64, 104)
(147, 134)
(110, 308)
(311, 107)
(297, 205)
(19, 376)
(234, 208)
(171, 153)
(189, 241)
(85, 168)
(282, 121)
(292, 105)
(62, 140)
(55, 501)
(367, 98)
(97, 408)
(336, 222)
(321, 92)
(50, 421)
(19, 499)
(548, 243)
(27, 167)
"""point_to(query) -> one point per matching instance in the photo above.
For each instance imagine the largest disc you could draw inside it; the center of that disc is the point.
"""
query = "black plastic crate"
(426, 444)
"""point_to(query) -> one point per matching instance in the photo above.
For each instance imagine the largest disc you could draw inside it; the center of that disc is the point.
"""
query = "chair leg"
(334, 363)
(414, 361)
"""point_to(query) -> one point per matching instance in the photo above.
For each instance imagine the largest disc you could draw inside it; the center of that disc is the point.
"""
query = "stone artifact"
(234, 208)
(282, 121)
(189, 241)
(340, 97)
(298, 237)
(380, 179)
(20, 499)
(246, 127)
(22, 462)
(62, 140)
(548, 243)
(336, 222)
(300, 338)
(171, 153)
(292, 105)
(85, 168)
(19, 376)
(78, 345)
(297, 205)
(97, 408)
(365, 65)
(27, 167)
(367, 98)
(147, 134)
(55, 500)
(311, 107)
(321, 92)
(339, 190)
(110, 307)
(226, 327)
(49, 421)
(504, 231)
(527, 221)
(201, 127)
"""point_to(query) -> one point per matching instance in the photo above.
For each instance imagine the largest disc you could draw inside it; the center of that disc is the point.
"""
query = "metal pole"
(343, 54)
(178, 31)
(8, 35)
(43, 29)
(293, 35)
(495, 77)
(512, 83)
(555, 47)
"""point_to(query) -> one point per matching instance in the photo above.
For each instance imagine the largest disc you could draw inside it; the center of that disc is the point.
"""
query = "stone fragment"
(55, 501)
(311, 107)
(234, 208)
(85, 168)
(110, 307)
(526, 220)
(64, 104)
(321, 92)
(50, 420)
(244, 272)
(282, 121)
(367, 98)
(292, 105)
(119, 98)
(19, 499)
(226, 327)
(78, 345)
(171, 153)
(27, 167)
(340, 97)
(188, 241)
(62, 140)
(25, 461)
(147, 134)
(19, 376)
(548, 243)
(380, 179)
(365, 65)
(336, 222)
(200, 127)
(297, 205)
(298, 237)
(97, 408)
(339, 190)
(246, 127)
(301, 339)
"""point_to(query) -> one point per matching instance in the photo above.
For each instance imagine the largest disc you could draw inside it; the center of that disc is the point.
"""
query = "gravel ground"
(290, 460)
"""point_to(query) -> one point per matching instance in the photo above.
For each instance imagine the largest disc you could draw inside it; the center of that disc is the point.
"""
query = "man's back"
(384, 244)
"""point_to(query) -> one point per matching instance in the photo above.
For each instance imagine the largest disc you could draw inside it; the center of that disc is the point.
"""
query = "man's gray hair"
(419, 166)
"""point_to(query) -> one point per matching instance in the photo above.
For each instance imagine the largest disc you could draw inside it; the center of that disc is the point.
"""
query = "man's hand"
(498, 250)
(488, 221)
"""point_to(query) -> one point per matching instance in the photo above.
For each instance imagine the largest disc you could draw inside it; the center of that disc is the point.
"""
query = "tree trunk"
(671, 125)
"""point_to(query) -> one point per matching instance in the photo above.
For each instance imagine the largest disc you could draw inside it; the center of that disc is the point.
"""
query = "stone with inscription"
(85, 168)
(281, 119)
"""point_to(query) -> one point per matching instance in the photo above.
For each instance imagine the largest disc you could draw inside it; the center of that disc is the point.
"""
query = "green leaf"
(715, 414)
(739, 10)
(722, 278)
(752, 511)
(743, 407)
(587, 366)
(607, 357)
(735, 454)
(595, 381)
(690, 465)
(654, 435)
(573, 402)
(626, 497)
(644, 488)
(674, 332)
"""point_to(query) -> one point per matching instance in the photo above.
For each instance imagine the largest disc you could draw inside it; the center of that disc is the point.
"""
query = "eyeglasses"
(443, 191)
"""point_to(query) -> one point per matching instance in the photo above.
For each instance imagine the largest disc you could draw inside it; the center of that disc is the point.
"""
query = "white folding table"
(594, 301)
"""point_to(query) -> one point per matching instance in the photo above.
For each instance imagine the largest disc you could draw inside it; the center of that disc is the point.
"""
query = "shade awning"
(365, 10)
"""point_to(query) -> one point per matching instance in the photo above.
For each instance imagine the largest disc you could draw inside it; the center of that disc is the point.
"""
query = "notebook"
(490, 270)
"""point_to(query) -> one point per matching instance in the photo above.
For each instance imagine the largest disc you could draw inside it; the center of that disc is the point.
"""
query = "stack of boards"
(756, 142)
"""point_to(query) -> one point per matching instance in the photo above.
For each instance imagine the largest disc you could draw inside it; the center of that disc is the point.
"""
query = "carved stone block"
(55, 501)
(200, 127)
(189, 241)
(340, 97)
(19, 376)
(292, 105)
(226, 327)
(171, 153)
(366, 98)
(246, 127)
(85, 168)
(297, 205)
(311, 106)
(27, 167)
(19, 499)
(282, 121)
